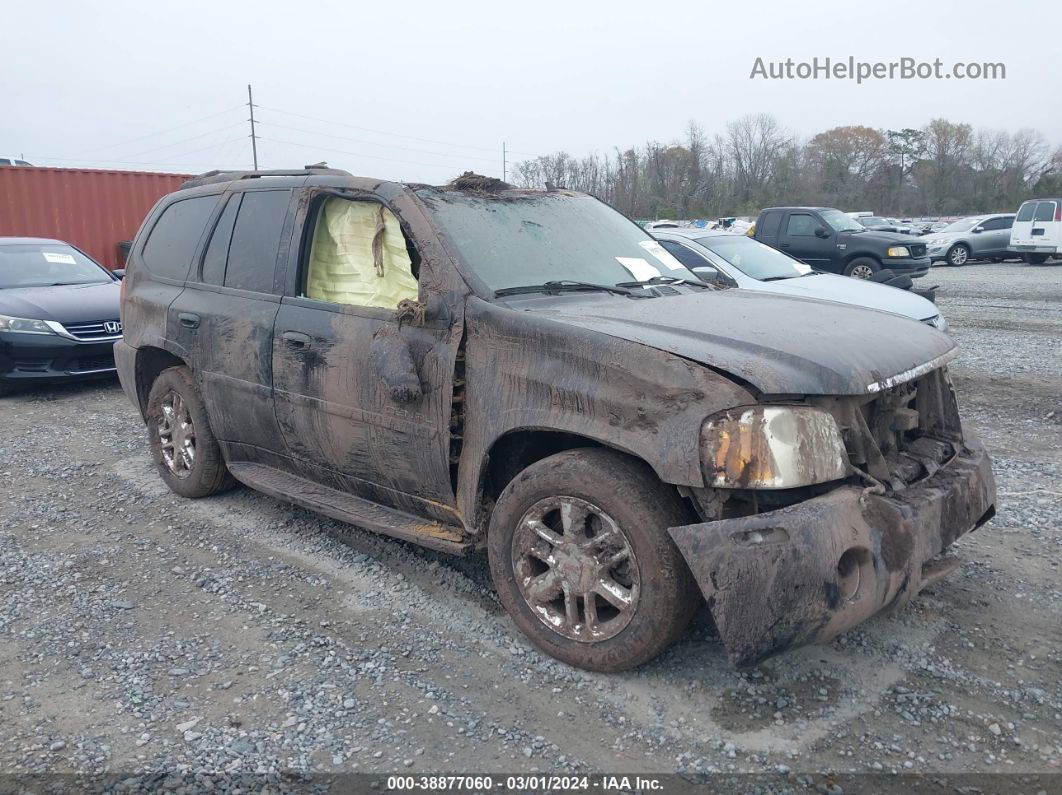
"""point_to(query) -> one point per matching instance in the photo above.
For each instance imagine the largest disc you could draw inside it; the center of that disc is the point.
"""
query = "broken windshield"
(519, 238)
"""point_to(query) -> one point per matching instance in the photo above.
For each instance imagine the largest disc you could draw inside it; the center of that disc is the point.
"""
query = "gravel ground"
(238, 640)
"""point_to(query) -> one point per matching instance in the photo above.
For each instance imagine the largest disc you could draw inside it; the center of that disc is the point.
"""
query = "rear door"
(344, 424)
(1047, 224)
(225, 319)
(767, 227)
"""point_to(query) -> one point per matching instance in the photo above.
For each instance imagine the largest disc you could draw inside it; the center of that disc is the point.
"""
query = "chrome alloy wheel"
(177, 435)
(862, 272)
(576, 569)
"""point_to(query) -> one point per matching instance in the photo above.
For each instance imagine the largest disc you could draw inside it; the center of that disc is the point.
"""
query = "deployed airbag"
(359, 256)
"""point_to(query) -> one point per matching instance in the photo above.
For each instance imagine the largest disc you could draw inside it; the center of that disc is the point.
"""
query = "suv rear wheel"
(1034, 259)
(581, 559)
(862, 268)
(186, 453)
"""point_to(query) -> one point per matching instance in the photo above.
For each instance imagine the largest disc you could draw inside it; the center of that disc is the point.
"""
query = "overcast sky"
(423, 90)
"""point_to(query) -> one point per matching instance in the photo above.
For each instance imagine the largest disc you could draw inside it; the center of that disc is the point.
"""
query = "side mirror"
(706, 273)
(119, 272)
(978, 229)
(821, 233)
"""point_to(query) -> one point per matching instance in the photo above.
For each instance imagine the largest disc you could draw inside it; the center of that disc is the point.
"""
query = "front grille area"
(905, 433)
(917, 249)
(96, 330)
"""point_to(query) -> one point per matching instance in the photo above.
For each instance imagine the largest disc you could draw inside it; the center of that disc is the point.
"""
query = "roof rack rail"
(211, 177)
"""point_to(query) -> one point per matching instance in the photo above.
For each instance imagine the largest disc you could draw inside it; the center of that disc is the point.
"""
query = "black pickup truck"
(829, 240)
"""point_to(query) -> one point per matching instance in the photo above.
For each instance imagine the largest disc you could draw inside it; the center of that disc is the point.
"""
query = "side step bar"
(351, 509)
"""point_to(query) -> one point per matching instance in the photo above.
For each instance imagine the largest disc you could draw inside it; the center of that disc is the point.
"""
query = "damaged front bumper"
(806, 573)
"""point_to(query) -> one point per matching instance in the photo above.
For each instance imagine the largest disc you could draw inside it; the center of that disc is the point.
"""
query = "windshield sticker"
(59, 259)
(662, 254)
(639, 268)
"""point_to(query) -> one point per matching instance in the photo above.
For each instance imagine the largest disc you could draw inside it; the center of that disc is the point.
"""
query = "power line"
(151, 162)
(355, 154)
(377, 143)
(189, 138)
(391, 134)
(165, 130)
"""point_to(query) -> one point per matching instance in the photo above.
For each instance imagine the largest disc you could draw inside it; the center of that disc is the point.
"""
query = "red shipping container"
(93, 209)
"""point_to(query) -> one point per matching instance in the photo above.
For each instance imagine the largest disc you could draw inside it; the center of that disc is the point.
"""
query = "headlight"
(899, 251)
(772, 447)
(937, 242)
(24, 325)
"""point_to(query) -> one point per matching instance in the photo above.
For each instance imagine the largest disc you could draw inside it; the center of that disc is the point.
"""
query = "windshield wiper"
(781, 278)
(666, 280)
(561, 285)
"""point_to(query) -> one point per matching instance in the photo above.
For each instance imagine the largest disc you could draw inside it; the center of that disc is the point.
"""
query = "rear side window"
(256, 239)
(172, 242)
(801, 226)
(771, 222)
(217, 252)
(1045, 211)
(993, 224)
(1026, 212)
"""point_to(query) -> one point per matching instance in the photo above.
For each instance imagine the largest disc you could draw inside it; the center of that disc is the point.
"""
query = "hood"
(74, 303)
(779, 345)
(858, 292)
(888, 238)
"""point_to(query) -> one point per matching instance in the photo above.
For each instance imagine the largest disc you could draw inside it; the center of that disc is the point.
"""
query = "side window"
(688, 257)
(359, 256)
(4, 161)
(801, 225)
(1045, 211)
(994, 224)
(171, 244)
(217, 252)
(1026, 211)
(256, 239)
(771, 222)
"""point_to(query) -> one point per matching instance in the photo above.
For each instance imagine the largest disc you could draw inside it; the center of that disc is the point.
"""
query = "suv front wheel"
(186, 453)
(581, 559)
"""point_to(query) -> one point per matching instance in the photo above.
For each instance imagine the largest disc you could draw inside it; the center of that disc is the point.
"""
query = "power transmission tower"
(254, 138)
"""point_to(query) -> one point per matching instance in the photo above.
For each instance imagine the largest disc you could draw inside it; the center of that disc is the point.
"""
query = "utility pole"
(503, 162)
(254, 138)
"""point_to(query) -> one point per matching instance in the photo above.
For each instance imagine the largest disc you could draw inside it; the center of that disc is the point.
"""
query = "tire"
(958, 255)
(7, 389)
(174, 403)
(996, 260)
(617, 500)
(862, 268)
(1034, 259)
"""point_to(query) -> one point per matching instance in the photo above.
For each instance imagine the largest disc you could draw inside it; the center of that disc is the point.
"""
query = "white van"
(1037, 230)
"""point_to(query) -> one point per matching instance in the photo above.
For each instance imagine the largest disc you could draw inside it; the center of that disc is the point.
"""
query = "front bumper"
(915, 267)
(46, 358)
(806, 573)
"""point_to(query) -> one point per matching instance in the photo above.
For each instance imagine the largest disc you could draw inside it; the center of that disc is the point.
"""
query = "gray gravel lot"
(240, 639)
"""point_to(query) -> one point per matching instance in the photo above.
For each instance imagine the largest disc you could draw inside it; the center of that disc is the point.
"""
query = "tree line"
(943, 168)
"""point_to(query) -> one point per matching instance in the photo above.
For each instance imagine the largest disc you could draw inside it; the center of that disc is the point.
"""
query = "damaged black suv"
(476, 366)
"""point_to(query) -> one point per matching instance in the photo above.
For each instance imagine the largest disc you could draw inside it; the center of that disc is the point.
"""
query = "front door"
(363, 402)
(801, 238)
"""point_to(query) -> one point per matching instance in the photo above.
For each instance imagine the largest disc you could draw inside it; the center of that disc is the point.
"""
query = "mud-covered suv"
(473, 366)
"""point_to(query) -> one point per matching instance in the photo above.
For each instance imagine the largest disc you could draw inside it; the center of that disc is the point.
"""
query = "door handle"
(188, 319)
(296, 339)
